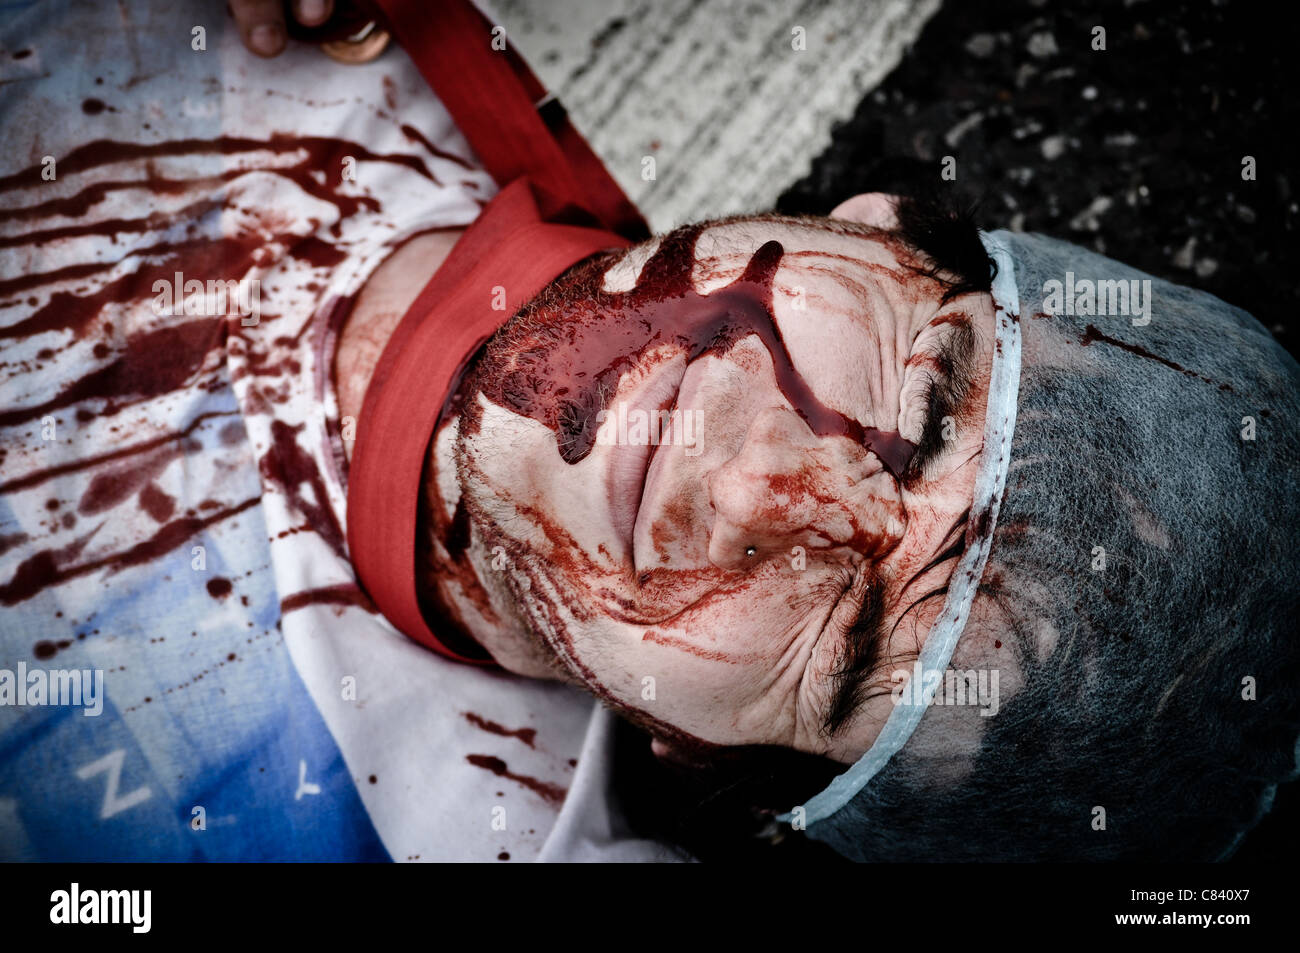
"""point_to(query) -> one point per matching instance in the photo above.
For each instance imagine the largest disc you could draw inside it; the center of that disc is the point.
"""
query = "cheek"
(532, 496)
(712, 693)
(742, 647)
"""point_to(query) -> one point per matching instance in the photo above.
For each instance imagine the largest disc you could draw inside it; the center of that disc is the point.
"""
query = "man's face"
(693, 474)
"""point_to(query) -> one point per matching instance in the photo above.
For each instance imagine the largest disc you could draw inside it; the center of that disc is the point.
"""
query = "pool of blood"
(610, 331)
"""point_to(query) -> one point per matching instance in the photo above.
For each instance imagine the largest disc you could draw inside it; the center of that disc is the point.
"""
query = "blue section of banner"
(208, 745)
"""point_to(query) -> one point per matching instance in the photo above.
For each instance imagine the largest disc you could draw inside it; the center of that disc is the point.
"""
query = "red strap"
(493, 96)
(406, 396)
(557, 206)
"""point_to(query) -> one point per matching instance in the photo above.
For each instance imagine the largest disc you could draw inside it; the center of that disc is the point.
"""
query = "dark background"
(1157, 124)
(1135, 152)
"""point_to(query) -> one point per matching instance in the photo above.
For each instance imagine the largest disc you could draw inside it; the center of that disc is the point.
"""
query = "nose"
(788, 487)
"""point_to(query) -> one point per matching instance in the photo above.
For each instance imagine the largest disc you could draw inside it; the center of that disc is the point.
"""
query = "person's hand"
(261, 22)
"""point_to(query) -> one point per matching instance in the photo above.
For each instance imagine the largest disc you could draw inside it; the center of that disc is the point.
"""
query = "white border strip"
(999, 425)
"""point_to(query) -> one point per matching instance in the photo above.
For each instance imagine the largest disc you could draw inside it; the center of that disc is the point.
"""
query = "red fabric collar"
(557, 206)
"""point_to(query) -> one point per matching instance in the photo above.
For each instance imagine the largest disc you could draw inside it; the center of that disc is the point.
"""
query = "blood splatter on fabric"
(148, 279)
(178, 252)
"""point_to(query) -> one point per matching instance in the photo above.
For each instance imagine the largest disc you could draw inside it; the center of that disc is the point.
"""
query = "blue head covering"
(1136, 597)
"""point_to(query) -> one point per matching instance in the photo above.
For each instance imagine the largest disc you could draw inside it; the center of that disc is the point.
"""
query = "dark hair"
(943, 229)
(935, 216)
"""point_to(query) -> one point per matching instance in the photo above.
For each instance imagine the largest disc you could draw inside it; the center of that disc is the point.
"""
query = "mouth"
(631, 428)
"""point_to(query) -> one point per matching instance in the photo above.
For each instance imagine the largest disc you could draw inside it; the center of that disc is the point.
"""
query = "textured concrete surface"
(714, 92)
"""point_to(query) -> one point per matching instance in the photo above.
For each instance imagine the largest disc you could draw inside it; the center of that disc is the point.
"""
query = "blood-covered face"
(688, 477)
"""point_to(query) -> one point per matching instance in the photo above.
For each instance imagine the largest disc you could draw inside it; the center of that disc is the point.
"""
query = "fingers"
(312, 12)
(261, 22)
(261, 25)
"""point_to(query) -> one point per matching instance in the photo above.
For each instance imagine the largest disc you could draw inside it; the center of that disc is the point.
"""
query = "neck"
(380, 306)
(452, 587)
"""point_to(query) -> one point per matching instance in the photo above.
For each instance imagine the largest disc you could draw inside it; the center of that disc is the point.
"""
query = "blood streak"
(76, 205)
(561, 387)
(662, 638)
(10, 540)
(50, 567)
(321, 154)
(1092, 335)
(317, 253)
(40, 476)
(527, 735)
(289, 466)
(550, 792)
(75, 298)
(155, 363)
(416, 136)
(221, 259)
(46, 649)
(217, 258)
(159, 505)
(111, 486)
(793, 491)
(111, 228)
(343, 594)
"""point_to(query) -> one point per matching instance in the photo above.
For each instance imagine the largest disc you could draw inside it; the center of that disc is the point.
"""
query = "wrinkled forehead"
(724, 248)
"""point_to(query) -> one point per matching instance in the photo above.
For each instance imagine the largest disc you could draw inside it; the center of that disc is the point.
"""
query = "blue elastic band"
(1000, 419)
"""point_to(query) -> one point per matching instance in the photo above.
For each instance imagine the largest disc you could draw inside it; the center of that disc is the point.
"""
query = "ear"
(661, 749)
(672, 754)
(870, 208)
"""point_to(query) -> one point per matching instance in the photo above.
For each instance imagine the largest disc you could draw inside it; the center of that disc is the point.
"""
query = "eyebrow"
(864, 645)
(946, 393)
(865, 641)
